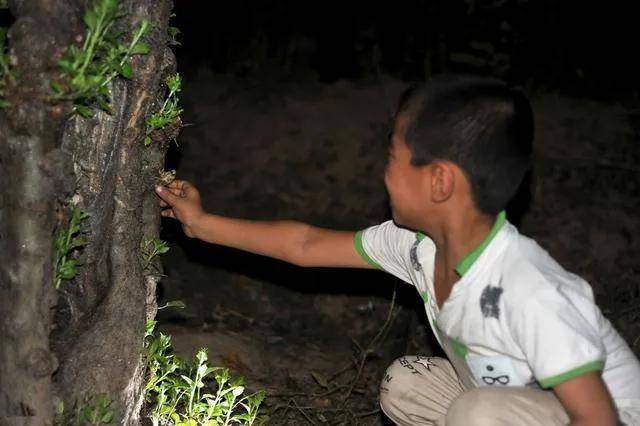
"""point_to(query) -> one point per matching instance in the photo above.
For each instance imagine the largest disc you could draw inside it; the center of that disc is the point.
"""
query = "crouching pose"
(525, 342)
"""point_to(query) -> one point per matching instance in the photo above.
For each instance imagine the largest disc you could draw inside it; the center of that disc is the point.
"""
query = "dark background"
(288, 106)
(583, 48)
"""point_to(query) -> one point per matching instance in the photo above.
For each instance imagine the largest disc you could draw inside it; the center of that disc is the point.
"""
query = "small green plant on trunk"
(170, 110)
(87, 70)
(6, 75)
(173, 33)
(66, 241)
(92, 410)
(193, 393)
(150, 249)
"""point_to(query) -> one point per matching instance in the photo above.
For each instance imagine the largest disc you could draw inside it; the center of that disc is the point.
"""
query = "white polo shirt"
(515, 317)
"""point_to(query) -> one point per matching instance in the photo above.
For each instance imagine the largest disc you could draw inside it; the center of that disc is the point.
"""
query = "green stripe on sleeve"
(550, 382)
(360, 249)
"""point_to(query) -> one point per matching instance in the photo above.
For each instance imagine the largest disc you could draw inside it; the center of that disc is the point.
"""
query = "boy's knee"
(417, 390)
(398, 381)
(406, 378)
(473, 407)
(392, 385)
(491, 406)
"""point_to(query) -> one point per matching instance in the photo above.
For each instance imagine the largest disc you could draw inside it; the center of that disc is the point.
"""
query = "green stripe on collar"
(467, 261)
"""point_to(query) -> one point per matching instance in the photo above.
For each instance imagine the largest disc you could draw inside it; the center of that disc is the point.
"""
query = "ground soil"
(315, 153)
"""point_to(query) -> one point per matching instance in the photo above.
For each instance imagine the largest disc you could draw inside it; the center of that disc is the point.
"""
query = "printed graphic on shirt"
(493, 371)
(489, 301)
(413, 255)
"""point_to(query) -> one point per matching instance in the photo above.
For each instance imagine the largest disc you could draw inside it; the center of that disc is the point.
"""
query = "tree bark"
(87, 337)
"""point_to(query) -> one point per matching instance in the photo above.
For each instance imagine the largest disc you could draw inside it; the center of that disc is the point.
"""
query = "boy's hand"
(181, 200)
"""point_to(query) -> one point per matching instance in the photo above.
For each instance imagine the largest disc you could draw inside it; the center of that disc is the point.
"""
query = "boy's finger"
(178, 184)
(168, 213)
(175, 192)
(184, 187)
(166, 195)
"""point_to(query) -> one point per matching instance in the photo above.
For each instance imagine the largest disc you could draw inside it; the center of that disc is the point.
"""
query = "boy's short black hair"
(479, 124)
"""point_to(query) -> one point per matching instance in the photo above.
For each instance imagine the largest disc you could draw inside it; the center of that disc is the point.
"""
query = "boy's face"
(405, 182)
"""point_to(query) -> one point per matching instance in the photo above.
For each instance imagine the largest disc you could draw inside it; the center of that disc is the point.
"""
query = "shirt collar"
(468, 260)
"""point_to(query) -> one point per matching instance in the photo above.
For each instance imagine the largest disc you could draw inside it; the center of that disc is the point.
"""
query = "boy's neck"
(457, 236)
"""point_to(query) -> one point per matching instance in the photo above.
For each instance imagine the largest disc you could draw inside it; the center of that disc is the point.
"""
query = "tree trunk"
(85, 338)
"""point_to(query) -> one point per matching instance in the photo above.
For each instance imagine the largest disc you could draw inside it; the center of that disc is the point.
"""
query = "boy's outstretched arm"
(587, 400)
(293, 242)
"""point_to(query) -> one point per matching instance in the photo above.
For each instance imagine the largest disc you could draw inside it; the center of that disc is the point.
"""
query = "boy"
(525, 341)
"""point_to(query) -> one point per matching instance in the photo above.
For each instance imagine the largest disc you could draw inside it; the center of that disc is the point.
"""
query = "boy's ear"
(442, 181)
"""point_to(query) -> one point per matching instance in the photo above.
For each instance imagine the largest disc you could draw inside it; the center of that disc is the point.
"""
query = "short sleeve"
(387, 247)
(557, 334)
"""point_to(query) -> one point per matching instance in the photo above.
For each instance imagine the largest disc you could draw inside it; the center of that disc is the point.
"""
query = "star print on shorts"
(425, 362)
